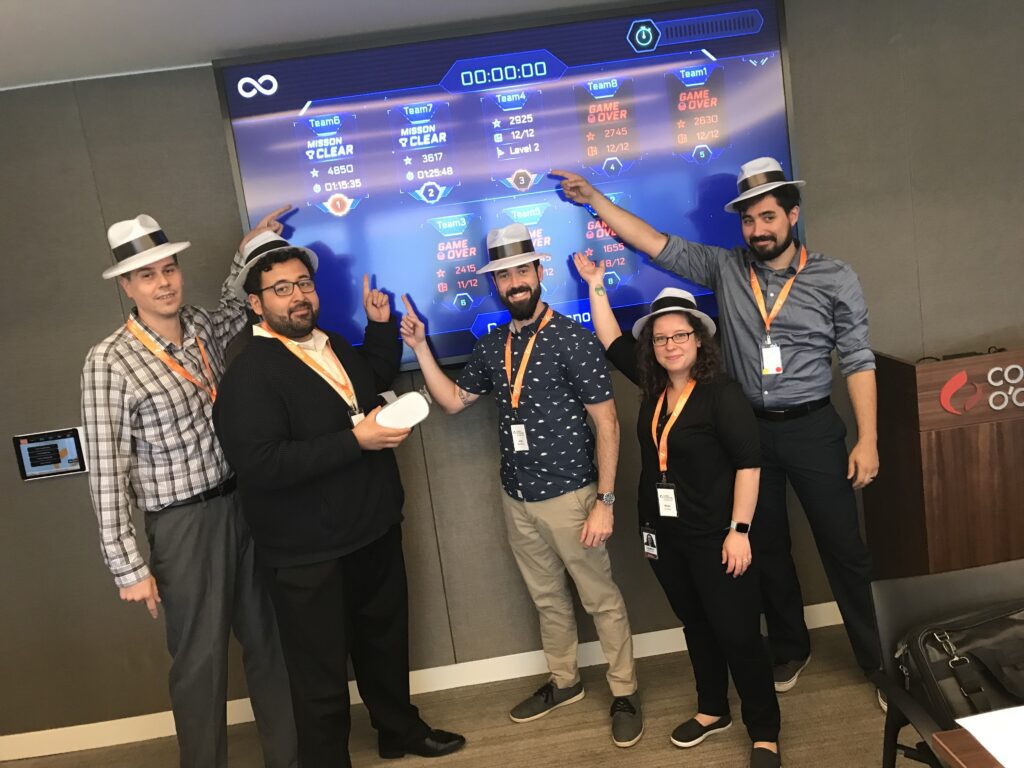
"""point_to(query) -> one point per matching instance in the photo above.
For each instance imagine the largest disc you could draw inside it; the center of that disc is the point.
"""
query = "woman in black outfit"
(698, 489)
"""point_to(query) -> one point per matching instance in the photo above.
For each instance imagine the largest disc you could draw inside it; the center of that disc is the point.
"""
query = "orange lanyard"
(342, 386)
(147, 341)
(662, 444)
(783, 294)
(517, 388)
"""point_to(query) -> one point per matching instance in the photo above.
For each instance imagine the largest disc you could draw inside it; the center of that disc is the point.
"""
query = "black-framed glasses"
(677, 338)
(285, 287)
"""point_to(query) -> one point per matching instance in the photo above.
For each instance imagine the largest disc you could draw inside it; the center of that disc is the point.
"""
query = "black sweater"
(715, 435)
(308, 491)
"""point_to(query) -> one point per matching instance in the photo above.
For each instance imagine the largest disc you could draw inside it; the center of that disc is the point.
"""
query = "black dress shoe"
(434, 743)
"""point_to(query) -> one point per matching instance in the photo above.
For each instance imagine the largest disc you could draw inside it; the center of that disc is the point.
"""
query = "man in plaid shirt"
(147, 397)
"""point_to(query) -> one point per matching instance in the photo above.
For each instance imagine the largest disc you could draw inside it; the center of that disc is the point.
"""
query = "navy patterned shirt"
(566, 371)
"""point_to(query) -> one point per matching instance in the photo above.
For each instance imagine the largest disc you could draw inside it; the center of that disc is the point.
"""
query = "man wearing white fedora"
(147, 397)
(783, 311)
(558, 506)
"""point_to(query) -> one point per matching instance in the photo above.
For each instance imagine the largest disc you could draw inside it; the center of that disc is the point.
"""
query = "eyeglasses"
(285, 287)
(677, 338)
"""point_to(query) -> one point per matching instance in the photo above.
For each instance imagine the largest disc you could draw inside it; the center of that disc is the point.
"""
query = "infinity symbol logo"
(249, 87)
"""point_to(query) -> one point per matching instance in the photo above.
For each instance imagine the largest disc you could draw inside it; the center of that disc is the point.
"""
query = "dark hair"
(254, 278)
(787, 196)
(654, 379)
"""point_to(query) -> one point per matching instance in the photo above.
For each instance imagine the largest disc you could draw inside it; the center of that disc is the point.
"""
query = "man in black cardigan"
(322, 495)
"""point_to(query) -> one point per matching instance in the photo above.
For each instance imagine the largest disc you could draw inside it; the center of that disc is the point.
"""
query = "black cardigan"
(308, 491)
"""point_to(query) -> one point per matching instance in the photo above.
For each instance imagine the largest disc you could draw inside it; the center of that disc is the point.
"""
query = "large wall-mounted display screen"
(400, 158)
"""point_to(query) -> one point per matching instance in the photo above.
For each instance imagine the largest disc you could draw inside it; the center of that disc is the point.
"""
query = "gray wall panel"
(67, 641)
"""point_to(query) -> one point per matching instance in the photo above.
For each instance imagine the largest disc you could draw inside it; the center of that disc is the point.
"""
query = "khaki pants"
(545, 539)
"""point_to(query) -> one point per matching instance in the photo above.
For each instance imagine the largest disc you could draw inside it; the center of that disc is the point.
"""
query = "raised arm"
(445, 392)
(633, 230)
(605, 324)
(230, 315)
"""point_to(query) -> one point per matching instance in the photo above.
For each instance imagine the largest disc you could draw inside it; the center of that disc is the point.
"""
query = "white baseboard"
(144, 727)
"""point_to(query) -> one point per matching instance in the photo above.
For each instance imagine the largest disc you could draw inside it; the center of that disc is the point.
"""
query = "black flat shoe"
(434, 744)
(765, 758)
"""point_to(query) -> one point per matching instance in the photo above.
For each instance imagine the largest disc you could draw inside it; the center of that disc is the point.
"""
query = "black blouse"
(715, 435)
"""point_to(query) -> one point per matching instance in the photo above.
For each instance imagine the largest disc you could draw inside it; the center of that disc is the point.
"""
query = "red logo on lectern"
(957, 382)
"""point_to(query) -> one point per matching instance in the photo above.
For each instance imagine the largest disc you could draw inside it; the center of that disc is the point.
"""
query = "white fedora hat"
(509, 247)
(674, 300)
(137, 243)
(266, 242)
(757, 177)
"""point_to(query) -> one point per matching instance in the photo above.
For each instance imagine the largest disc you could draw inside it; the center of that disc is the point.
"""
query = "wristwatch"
(740, 527)
(606, 498)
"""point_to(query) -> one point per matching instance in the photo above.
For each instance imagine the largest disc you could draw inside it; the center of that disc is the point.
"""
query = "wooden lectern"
(950, 492)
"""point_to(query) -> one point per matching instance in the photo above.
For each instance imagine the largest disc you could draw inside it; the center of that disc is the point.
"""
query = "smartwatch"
(606, 498)
(740, 527)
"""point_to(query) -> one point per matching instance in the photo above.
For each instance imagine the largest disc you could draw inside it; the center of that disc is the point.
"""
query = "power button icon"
(643, 35)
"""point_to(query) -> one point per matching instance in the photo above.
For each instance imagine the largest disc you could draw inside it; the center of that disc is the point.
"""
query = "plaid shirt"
(149, 436)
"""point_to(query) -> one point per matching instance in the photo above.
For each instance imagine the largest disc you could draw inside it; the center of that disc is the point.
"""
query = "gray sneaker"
(627, 720)
(545, 699)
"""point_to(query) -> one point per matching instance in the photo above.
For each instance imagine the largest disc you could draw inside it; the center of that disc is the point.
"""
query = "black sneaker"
(786, 674)
(765, 758)
(883, 700)
(545, 699)
(691, 733)
(627, 720)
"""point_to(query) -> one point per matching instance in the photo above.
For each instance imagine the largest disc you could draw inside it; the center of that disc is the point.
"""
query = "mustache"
(300, 306)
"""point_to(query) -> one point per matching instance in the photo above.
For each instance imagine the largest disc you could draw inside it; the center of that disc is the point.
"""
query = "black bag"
(967, 664)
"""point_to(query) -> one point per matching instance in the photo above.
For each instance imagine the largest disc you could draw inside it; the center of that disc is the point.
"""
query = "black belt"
(795, 412)
(221, 489)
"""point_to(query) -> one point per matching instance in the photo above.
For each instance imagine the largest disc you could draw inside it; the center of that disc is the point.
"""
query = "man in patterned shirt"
(548, 374)
(147, 397)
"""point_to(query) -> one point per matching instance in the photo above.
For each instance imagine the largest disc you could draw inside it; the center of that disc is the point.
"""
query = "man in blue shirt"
(783, 311)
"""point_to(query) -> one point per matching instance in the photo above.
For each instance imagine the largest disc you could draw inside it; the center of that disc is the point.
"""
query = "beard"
(522, 309)
(294, 327)
(768, 248)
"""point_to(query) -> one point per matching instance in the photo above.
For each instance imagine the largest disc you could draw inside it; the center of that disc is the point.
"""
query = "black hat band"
(139, 244)
(672, 302)
(273, 245)
(510, 249)
(745, 185)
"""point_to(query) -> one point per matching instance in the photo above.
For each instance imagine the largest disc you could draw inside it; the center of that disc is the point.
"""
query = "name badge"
(771, 358)
(519, 441)
(650, 541)
(356, 416)
(667, 500)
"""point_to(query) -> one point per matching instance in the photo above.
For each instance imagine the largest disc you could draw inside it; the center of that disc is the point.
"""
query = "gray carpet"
(830, 719)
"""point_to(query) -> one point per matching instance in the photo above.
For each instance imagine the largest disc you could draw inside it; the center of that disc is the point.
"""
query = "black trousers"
(721, 618)
(202, 558)
(811, 453)
(355, 605)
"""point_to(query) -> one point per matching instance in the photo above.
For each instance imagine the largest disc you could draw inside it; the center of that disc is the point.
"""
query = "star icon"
(590, 136)
(314, 173)
(440, 273)
(681, 124)
(407, 160)
(496, 123)
(589, 252)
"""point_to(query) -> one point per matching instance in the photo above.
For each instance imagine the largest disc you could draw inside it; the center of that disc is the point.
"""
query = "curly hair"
(654, 379)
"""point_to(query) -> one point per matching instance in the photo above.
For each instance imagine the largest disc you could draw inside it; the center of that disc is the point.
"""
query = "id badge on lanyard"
(519, 441)
(666, 490)
(771, 353)
(771, 357)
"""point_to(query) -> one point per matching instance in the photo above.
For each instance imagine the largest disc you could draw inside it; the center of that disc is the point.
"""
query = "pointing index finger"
(366, 286)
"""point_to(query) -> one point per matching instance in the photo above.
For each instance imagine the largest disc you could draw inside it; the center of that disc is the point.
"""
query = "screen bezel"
(448, 31)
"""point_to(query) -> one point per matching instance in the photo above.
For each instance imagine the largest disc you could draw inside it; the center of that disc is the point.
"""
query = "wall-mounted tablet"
(50, 454)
